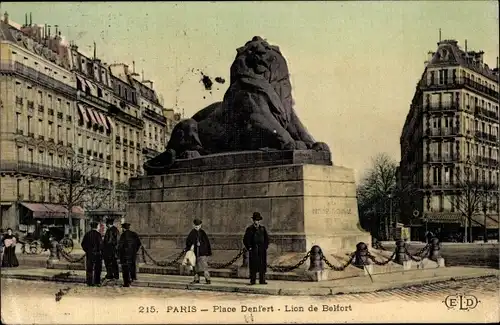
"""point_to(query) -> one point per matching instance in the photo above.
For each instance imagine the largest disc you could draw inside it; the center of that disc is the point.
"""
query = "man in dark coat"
(128, 246)
(256, 241)
(198, 239)
(92, 246)
(110, 250)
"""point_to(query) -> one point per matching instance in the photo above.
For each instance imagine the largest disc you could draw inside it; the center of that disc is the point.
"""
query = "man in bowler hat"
(256, 241)
(110, 250)
(92, 246)
(128, 246)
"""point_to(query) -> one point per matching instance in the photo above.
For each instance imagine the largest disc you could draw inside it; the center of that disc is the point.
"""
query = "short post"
(316, 271)
(243, 271)
(316, 259)
(54, 253)
(434, 249)
(400, 251)
(361, 255)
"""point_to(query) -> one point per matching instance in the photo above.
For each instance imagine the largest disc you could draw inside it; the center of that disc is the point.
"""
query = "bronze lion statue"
(256, 113)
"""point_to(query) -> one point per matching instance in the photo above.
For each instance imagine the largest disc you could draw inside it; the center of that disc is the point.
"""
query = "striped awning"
(83, 112)
(82, 81)
(103, 120)
(110, 121)
(93, 88)
(92, 116)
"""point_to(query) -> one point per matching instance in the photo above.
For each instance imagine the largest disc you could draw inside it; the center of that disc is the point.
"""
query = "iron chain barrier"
(289, 268)
(231, 262)
(370, 256)
(68, 257)
(343, 266)
(419, 256)
(174, 262)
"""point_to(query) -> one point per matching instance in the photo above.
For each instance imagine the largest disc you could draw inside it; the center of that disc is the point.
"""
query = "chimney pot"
(6, 17)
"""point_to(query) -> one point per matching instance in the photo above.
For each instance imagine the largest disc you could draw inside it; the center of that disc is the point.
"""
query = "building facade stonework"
(62, 111)
(450, 143)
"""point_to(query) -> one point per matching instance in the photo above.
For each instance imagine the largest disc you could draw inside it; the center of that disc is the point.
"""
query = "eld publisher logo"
(461, 302)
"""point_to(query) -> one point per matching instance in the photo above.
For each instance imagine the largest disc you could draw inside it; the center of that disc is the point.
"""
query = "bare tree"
(473, 197)
(378, 190)
(82, 186)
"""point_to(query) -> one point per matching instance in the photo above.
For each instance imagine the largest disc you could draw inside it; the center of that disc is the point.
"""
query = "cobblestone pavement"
(486, 287)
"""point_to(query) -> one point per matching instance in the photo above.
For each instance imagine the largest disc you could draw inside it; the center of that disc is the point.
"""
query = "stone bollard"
(400, 251)
(401, 257)
(316, 271)
(243, 271)
(361, 256)
(54, 254)
(434, 249)
(316, 259)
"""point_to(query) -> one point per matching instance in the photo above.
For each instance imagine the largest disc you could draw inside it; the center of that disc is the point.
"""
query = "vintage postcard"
(249, 162)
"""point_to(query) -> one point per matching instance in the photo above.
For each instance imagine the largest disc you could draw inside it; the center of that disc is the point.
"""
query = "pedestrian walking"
(92, 246)
(256, 241)
(110, 250)
(128, 246)
(9, 258)
(198, 240)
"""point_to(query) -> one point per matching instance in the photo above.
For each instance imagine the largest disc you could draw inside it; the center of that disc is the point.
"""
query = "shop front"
(33, 217)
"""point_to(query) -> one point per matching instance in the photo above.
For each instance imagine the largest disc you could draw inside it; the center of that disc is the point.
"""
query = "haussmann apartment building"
(451, 133)
(61, 111)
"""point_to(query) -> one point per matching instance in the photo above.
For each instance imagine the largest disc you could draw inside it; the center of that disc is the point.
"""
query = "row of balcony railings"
(486, 136)
(454, 157)
(452, 131)
(19, 68)
(484, 112)
(42, 170)
(155, 116)
(453, 106)
(459, 81)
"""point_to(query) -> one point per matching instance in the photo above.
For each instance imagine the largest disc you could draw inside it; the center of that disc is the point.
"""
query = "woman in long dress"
(9, 253)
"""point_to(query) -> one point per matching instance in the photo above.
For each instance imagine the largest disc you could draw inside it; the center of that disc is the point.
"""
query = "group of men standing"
(113, 247)
(124, 247)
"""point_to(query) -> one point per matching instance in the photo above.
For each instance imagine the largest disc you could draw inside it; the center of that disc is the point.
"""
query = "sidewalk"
(281, 288)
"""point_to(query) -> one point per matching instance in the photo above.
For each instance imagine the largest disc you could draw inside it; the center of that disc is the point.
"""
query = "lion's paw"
(320, 146)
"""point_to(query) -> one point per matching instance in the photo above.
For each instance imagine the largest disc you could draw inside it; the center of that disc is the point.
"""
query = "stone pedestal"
(302, 205)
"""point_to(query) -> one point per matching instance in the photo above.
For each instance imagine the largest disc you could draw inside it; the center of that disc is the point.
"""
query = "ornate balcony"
(483, 112)
(479, 135)
(460, 83)
(36, 76)
(37, 170)
(443, 132)
(443, 158)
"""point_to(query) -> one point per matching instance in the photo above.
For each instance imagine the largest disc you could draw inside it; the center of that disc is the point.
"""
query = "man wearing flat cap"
(128, 246)
(198, 239)
(110, 250)
(92, 246)
(256, 241)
